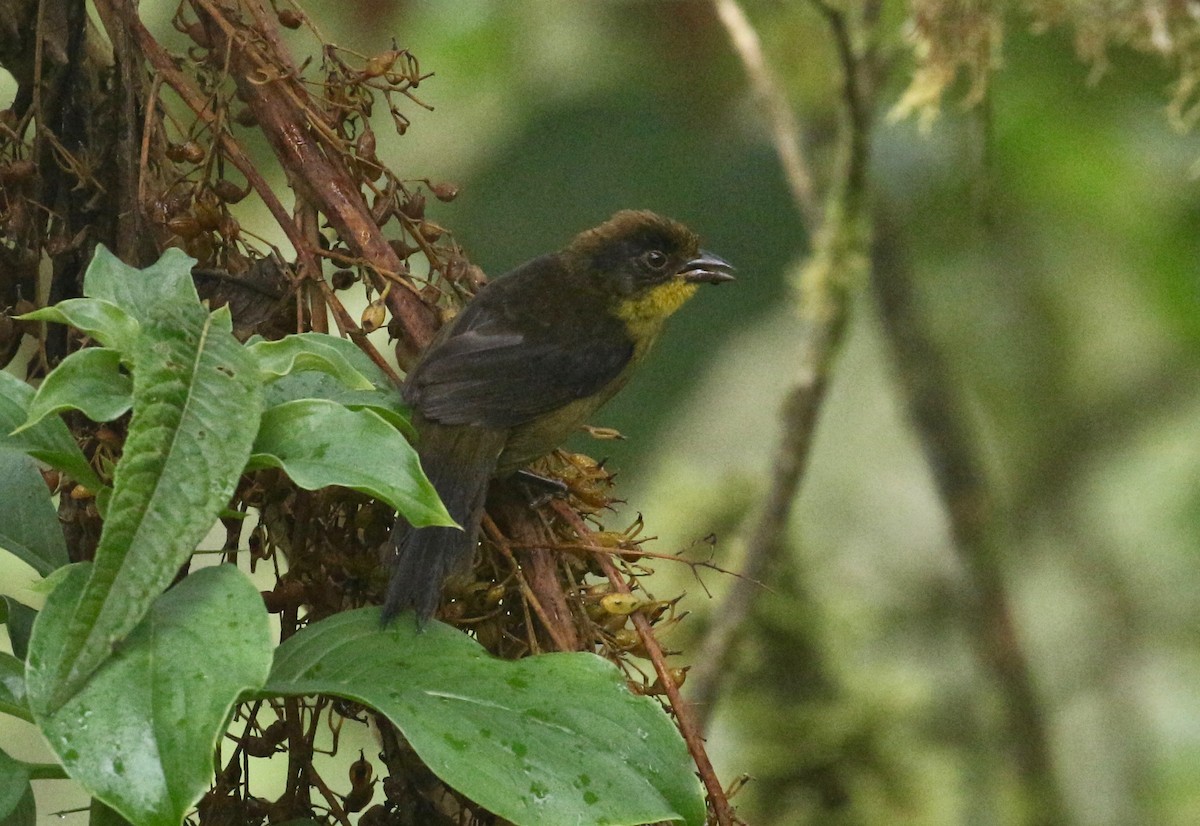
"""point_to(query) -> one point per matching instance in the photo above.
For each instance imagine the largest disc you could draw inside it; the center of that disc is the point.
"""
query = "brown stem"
(955, 460)
(683, 712)
(269, 83)
(561, 631)
(785, 131)
(126, 14)
(827, 282)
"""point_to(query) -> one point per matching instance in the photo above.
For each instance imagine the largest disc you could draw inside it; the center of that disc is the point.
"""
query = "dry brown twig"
(722, 810)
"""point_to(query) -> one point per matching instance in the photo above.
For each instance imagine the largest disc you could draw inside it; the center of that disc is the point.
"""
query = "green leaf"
(308, 351)
(140, 735)
(348, 350)
(29, 526)
(15, 790)
(12, 687)
(48, 440)
(320, 443)
(197, 401)
(143, 294)
(88, 380)
(102, 320)
(386, 401)
(19, 619)
(101, 815)
(556, 738)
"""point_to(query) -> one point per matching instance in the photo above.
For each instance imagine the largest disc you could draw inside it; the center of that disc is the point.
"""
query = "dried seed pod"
(290, 18)
(677, 675)
(373, 316)
(430, 231)
(207, 210)
(414, 206)
(493, 595)
(229, 192)
(343, 279)
(364, 144)
(201, 247)
(381, 63)
(445, 191)
(625, 638)
(185, 226)
(401, 249)
(621, 605)
(17, 172)
(362, 786)
(229, 228)
(186, 152)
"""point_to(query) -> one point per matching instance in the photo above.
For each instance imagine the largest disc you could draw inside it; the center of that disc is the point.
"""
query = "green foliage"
(12, 687)
(132, 680)
(140, 735)
(16, 793)
(88, 380)
(30, 528)
(550, 739)
(48, 440)
(320, 443)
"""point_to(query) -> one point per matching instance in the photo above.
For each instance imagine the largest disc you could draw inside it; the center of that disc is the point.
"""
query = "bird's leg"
(540, 489)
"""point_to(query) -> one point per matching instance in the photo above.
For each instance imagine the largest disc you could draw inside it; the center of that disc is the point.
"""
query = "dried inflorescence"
(544, 579)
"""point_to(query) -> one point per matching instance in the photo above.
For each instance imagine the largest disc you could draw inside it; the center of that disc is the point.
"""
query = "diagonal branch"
(785, 131)
(954, 459)
(827, 283)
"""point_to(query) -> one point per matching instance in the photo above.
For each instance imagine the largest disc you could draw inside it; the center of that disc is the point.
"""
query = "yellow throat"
(644, 315)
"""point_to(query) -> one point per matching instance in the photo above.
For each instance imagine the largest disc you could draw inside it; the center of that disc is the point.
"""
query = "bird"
(525, 363)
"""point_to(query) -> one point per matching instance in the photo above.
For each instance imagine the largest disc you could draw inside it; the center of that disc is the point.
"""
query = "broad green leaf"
(25, 813)
(196, 405)
(29, 526)
(385, 401)
(143, 294)
(308, 351)
(48, 441)
(102, 320)
(19, 619)
(556, 738)
(88, 380)
(12, 687)
(101, 815)
(320, 443)
(140, 734)
(14, 789)
(349, 351)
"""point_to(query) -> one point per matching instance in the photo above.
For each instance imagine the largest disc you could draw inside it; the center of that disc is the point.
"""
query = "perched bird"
(523, 365)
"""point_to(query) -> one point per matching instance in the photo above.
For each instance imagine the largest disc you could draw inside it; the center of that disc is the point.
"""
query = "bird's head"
(647, 264)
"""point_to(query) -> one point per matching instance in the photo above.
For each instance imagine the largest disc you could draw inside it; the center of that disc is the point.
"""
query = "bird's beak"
(707, 269)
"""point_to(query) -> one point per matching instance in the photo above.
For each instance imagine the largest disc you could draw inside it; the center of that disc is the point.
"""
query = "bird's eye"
(655, 259)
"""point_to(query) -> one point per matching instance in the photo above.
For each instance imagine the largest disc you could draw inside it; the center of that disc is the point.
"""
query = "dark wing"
(507, 359)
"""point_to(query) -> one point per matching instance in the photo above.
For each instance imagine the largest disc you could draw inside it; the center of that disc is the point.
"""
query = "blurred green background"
(1054, 232)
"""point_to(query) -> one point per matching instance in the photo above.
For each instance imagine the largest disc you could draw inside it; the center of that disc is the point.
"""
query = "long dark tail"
(460, 462)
